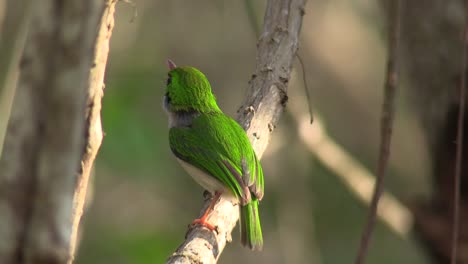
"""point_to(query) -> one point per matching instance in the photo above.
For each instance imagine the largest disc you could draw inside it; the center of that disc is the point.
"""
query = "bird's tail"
(251, 230)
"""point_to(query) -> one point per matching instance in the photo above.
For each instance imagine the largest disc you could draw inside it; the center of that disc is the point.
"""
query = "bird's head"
(188, 89)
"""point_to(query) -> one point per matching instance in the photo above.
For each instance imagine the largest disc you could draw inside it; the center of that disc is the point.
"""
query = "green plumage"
(189, 89)
(204, 137)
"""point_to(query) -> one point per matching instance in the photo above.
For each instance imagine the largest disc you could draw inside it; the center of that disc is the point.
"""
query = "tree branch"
(93, 127)
(12, 39)
(388, 110)
(459, 143)
(45, 133)
(351, 172)
(258, 115)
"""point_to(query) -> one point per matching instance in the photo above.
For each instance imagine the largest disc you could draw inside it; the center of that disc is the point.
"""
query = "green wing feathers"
(217, 144)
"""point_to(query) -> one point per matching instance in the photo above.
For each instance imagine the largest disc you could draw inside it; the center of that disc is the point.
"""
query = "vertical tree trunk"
(44, 141)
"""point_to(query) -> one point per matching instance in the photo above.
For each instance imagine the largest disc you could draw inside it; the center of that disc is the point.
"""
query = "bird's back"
(213, 139)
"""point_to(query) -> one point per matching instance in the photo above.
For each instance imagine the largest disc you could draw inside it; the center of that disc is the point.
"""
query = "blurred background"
(142, 200)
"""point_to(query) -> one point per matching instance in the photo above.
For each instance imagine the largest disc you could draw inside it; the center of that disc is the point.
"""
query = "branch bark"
(93, 128)
(44, 139)
(258, 115)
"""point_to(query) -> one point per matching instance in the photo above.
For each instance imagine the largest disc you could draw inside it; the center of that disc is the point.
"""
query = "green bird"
(213, 149)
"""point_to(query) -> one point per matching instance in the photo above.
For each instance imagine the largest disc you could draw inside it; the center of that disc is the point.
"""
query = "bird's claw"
(203, 223)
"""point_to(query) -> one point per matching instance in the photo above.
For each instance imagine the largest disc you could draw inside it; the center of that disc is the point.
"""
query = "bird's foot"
(203, 222)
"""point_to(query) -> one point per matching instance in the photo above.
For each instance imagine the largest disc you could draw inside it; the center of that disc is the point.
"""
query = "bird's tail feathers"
(251, 230)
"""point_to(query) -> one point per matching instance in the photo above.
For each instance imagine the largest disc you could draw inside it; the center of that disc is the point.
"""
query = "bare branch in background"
(13, 27)
(388, 110)
(354, 175)
(459, 142)
(258, 115)
(44, 139)
(93, 128)
(306, 89)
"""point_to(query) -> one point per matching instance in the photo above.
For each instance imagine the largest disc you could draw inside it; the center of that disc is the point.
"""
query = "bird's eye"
(169, 79)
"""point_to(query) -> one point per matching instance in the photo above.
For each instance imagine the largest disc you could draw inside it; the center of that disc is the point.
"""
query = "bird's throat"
(182, 118)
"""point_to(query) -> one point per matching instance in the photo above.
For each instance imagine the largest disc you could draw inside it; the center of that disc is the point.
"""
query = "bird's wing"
(216, 144)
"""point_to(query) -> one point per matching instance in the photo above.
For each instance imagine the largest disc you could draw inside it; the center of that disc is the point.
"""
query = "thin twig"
(388, 110)
(306, 88)
(459, 142)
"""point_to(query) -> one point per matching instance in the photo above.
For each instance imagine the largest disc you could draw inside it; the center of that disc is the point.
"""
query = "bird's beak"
(171, 65)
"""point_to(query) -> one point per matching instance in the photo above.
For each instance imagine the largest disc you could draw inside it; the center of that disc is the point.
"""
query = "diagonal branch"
(459, 143)
(93, 127)
(258, 115)
(388, 110)
(13, 27)
(357, 179)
